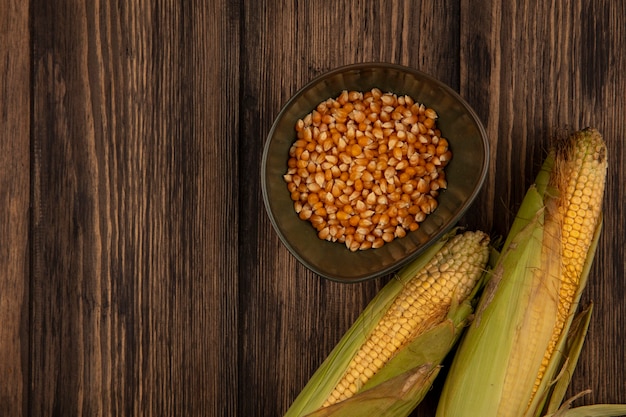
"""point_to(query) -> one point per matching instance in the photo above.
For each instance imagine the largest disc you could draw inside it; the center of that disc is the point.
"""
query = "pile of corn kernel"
(367, 167)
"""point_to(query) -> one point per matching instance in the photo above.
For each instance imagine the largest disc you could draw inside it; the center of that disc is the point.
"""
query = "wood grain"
(14, 206)
(139, 273)
(133, 287)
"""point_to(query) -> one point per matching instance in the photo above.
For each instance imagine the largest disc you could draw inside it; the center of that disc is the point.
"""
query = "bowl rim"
(434, 237)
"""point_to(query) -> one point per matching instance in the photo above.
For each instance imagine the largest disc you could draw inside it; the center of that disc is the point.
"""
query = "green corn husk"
(556, 406)
(395, 397)
(487, 346)
(494, 370)
(598, 410)
(398, 387)
(572, 349)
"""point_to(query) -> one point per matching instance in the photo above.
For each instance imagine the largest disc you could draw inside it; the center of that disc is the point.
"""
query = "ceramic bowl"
(465, 173)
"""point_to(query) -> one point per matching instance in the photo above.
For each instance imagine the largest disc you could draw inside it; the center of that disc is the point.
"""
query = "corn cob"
(388, 359)
(580, 179)
(514, 349)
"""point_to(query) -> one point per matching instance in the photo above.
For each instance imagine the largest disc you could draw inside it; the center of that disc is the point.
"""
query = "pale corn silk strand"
(580, 173)
(423, 303)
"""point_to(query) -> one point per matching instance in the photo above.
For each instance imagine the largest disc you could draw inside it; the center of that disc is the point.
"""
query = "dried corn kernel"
(361, 144)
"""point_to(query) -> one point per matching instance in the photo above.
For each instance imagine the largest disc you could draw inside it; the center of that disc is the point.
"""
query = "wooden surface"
(139, 274)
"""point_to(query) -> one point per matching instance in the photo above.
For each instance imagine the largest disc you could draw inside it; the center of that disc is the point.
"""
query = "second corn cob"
(386, 362)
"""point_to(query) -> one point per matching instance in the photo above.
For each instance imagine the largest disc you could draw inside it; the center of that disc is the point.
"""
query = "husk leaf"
(597, 410)
(486, 347)
(394, 397)
(573, 346)
(573, 336)
(322, 382)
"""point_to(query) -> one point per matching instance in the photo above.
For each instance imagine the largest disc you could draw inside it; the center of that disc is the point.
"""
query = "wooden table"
(139, 273)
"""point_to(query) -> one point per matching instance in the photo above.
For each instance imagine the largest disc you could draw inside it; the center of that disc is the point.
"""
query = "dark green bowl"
(465, 173)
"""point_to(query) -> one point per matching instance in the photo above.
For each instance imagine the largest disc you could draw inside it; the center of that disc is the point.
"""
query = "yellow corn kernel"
(448, 278)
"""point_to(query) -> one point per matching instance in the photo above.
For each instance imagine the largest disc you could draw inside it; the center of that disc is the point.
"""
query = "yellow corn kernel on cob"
(392, 352)
(579, 176)
(514, 349)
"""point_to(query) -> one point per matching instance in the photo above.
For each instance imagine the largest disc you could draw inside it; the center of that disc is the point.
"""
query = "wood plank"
(599, 60)
(14, 206)
(291, 318)
(134, 267)
(535, 73)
